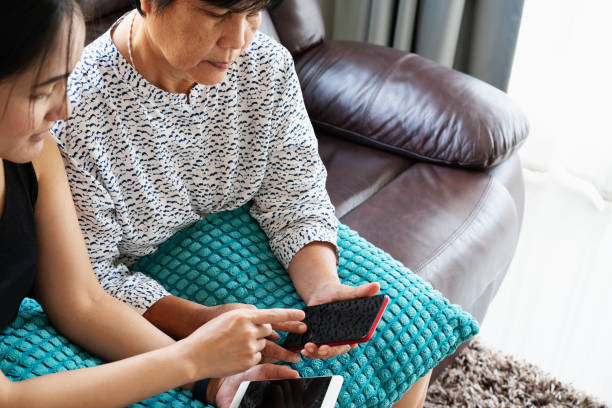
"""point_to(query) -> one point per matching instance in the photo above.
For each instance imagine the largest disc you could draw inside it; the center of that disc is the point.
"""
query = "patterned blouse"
(144, 163)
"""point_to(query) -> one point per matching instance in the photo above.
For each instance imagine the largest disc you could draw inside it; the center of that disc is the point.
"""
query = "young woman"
(183, 109)
(42, 251)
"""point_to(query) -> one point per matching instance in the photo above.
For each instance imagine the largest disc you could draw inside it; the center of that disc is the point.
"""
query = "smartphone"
(346, 322)
(308, 392)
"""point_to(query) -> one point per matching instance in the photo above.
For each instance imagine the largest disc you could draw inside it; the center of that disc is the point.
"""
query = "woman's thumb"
(273, 371)
(366, 290)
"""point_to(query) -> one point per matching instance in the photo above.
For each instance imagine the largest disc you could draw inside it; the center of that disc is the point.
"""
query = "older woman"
(183, 109)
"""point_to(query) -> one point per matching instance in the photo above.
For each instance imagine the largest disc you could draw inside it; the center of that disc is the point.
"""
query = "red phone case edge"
(383, 307)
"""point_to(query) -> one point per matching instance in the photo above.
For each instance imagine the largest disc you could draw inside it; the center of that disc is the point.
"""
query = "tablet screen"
(294, 393)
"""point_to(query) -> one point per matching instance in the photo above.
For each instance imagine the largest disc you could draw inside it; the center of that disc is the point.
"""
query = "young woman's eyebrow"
(53, 79)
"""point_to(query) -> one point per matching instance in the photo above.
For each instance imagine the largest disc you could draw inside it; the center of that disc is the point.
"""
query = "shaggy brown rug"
(480, 377)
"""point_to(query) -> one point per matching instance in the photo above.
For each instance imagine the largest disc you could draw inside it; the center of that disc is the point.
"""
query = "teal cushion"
(31, 347)
(226, 258)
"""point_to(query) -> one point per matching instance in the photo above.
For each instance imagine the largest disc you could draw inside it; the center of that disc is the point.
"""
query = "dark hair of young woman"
(29, 29)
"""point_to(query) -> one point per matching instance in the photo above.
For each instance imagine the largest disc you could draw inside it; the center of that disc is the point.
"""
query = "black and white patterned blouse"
(144, 163)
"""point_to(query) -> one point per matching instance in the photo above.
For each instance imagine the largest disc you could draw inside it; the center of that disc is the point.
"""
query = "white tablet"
(309, 392)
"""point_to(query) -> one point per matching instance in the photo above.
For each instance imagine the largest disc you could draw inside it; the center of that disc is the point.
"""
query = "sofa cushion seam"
(392, 148)
(463, 227)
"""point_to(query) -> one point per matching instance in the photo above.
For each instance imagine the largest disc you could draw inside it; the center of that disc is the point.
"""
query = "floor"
(554, 308)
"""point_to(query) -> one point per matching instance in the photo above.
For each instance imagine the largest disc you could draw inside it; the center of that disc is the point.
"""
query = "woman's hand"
(233, 342)
(334, 292)
(272, 352)
(180, 317)
(208, 313)
(313, 272)
(225, 389)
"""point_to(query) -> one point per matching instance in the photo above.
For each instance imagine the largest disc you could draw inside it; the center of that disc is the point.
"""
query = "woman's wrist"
(313, 295)
(200, 390)
(211, 391)
(183, 354)
(312, 268)
(176, 316)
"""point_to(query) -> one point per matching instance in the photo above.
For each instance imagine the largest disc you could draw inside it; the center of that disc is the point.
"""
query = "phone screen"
(349, 321)
(293, 393)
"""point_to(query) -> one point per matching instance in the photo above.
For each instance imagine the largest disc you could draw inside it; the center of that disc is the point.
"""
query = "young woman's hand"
(335, 292)
(223, 393)
(233, 342)
(272, 352)
(180, 317)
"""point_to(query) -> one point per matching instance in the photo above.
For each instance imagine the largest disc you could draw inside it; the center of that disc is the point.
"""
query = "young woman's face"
(199, 39)
(31, 101)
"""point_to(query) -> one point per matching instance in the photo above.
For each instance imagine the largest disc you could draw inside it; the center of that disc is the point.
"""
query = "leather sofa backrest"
(267, 26)
(100, 14)
(99, 8)
(297, 24)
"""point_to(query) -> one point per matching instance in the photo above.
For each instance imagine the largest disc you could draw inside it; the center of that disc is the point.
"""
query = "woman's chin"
(210, 81)
(207, 76)
(26, 153)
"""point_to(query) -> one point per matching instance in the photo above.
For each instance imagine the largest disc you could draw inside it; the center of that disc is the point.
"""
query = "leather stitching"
(365, 140)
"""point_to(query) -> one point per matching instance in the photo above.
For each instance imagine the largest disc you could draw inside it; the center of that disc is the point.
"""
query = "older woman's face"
(199, 39)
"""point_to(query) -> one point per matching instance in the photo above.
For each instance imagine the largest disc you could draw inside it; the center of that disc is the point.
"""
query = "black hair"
(235, 6)
(29, 29)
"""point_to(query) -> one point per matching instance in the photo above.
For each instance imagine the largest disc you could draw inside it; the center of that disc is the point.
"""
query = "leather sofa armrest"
(409, 105)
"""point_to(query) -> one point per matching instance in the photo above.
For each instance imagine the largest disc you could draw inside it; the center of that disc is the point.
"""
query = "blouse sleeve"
(101, 230)
(292, 205)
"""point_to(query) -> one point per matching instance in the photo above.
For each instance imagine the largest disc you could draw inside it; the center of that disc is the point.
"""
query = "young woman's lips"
(220, 65)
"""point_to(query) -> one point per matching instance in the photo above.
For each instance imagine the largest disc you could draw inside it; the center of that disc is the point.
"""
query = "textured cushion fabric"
(31, 347)
(226, 258)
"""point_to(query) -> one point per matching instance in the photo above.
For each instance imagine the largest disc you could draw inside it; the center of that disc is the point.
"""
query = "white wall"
(554, 308)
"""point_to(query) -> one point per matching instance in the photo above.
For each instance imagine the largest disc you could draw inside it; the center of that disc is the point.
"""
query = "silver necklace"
(130, 39)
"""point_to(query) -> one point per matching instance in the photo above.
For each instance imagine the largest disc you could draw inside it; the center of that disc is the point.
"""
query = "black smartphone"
(309, 392)
(346, 322)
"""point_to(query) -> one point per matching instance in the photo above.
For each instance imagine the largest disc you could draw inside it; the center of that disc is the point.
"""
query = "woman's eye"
(214, 15)
(45, 92)
(217, 15)
(38, 97)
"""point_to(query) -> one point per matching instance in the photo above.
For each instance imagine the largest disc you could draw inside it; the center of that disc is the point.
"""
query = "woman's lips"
(38, 137)
(220, 65)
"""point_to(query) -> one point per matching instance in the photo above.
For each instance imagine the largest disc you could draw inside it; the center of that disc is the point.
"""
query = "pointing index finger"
(261, 316)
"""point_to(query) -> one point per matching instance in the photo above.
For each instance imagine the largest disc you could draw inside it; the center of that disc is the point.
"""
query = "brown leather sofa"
(421, 159)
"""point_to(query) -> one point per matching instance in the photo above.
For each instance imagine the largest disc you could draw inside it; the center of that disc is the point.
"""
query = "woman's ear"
(146, 6)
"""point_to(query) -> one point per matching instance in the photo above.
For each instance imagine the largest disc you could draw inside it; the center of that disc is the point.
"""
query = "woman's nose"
(233, 34)
(60, 110)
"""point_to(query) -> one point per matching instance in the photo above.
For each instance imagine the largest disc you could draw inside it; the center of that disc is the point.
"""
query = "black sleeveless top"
(18, 249)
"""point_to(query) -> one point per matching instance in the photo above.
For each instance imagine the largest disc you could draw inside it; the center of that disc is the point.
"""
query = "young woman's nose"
(61, 109)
